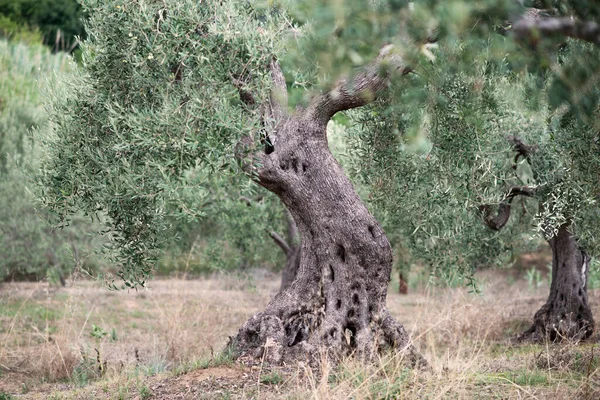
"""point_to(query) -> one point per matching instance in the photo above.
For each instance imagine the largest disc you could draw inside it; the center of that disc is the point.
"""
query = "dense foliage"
(154, 105)
(155, 115)
(441, 149)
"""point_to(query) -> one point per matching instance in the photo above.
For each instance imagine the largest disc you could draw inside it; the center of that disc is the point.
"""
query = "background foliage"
(30, 248)
(55, 22)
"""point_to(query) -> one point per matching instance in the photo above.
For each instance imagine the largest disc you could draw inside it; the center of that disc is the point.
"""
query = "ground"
(84, 342)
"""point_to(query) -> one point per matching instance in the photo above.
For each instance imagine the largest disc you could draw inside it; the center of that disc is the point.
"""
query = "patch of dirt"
(215, 383)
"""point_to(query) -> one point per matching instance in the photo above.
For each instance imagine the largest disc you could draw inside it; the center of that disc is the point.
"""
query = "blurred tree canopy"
(58, 22)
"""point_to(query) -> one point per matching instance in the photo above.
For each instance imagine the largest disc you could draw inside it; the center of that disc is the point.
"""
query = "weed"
(144, 391)
(273, 378)
(113, 335)
(534, 278)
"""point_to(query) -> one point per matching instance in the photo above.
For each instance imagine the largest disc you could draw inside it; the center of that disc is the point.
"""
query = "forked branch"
(522, 149)
(497, 222)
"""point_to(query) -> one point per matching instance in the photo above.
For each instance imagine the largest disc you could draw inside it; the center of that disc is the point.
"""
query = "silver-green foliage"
(154, 100)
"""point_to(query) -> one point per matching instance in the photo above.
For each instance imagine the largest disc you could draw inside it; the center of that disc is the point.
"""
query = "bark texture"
(566, 314)
(336, 304)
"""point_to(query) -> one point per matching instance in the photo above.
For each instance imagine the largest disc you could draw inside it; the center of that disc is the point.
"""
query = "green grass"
(29, 314)
(225, 357)
(523, 377)
(272, 378)
(501, 350)
(144, 391)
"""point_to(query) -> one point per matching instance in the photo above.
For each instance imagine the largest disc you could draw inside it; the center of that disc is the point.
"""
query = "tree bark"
(566, 314)
(292, 263)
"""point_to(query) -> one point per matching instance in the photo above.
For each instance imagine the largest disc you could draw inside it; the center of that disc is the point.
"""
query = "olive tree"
(167, 86)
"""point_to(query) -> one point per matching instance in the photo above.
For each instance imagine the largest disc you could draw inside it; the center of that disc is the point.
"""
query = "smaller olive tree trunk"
(566, 314)
(402, 285)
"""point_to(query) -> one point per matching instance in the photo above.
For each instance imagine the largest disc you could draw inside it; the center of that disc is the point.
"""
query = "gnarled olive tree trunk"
(566, 314)
(336, 304)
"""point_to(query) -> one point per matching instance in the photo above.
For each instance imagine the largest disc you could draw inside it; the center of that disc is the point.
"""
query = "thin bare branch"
(246, 200)
(245, 95)
(279, 94)
(281, 242)
(293, 235)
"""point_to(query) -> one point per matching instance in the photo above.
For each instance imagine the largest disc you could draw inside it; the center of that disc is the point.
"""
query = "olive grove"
(171, 86)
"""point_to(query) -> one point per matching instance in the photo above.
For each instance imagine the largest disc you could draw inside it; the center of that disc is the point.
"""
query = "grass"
(272, 378)
(94, 350)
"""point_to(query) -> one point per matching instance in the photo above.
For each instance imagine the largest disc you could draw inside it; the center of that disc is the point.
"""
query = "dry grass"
(163, 343)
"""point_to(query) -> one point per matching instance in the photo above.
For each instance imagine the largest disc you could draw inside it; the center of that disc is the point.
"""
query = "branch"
(522, 150)
(359, 89)
(293, 235)
(497, 222)
(533, 26)
(281, 242)
(272, 112)
(245, 95)
(279, 94)
(246, 200)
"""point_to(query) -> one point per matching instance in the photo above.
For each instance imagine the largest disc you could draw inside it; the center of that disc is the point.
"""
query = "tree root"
(267, 338)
